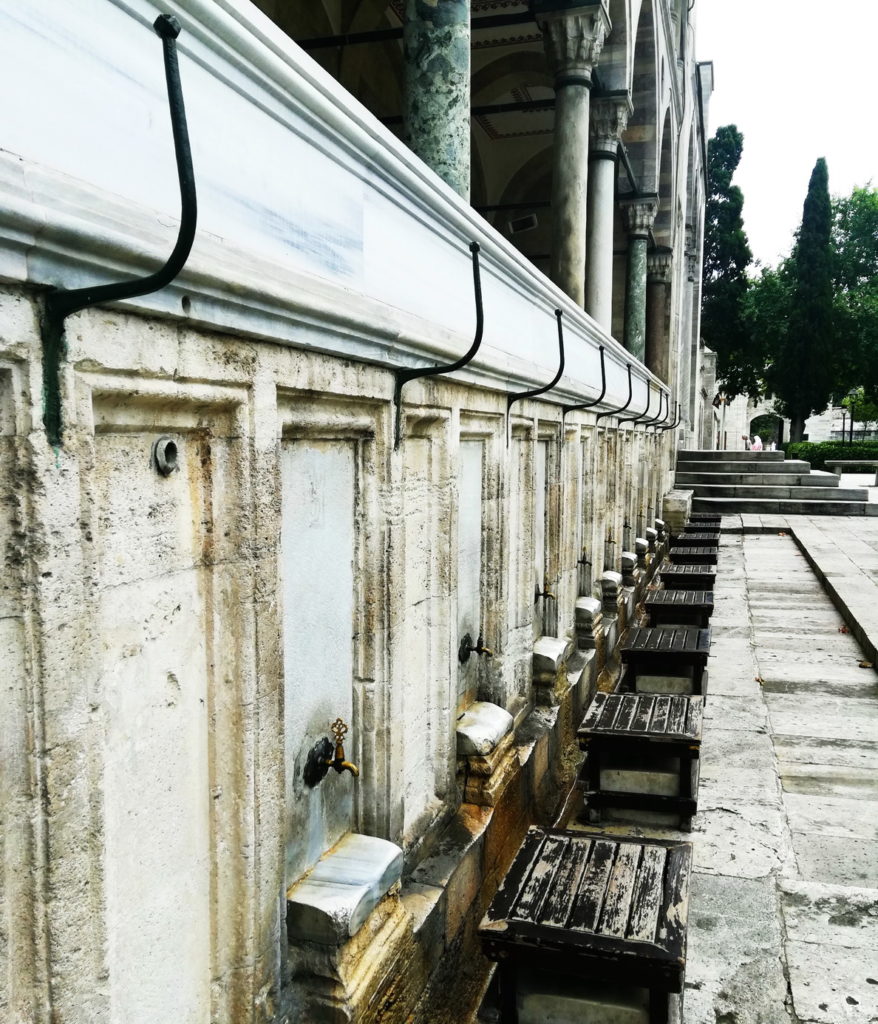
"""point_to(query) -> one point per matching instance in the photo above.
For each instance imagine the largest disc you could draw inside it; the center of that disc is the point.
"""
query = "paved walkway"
(784, 905)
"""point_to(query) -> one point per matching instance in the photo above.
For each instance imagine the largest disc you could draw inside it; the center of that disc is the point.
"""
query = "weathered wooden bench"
(843, 463)
(687, 577)
(693, 556)
(704, 517)
(697, 539)
(592, 910)
(643, 752)
(679, 607)
(667, 659)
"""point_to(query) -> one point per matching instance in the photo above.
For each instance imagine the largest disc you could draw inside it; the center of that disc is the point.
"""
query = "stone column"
(639, 218)
(436, 107)
(609, 119)
(658, 289)
(573, 34)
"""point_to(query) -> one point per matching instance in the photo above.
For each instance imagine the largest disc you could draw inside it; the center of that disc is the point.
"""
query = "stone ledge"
(331, 902)
(481, 728)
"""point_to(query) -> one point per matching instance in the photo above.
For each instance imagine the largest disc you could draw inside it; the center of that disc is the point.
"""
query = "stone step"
(814, 479)
(708, 455)
(784, 506)
(744, 466)
(799, 493)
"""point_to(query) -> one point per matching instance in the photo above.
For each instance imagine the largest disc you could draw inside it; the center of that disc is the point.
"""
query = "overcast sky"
(800, 79)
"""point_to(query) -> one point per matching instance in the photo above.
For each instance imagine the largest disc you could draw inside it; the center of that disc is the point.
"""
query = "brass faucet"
(466, 648)
(545, 592)
(339, 729)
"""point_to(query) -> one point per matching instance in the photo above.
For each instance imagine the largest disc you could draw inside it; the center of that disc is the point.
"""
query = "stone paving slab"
(830, 985)
(830, 750)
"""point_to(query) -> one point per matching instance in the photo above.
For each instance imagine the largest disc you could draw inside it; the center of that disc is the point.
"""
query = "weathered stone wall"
(173, 646)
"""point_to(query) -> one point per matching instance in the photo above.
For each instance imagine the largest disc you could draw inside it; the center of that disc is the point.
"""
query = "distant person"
(746, 441)
(756, 443)
(772, 447)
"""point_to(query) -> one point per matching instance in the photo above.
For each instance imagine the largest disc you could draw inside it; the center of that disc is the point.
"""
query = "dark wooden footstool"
(693, 556)
(679, 607)
(643, 752)
(687, 577)
(594, 909)
(705, 517)
(665, 659)
(697, 539)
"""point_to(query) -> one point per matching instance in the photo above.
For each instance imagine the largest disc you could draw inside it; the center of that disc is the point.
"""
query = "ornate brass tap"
(339, 730)
(545, 592)
(466, 648)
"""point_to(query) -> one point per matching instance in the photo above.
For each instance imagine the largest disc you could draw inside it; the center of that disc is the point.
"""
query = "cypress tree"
(801, 374)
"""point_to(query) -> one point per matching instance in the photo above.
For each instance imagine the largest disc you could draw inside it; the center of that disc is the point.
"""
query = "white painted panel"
(155, 628)
(469, 556)
(317, 579)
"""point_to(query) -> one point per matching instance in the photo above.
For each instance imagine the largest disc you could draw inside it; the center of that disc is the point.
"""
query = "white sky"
(800, 79)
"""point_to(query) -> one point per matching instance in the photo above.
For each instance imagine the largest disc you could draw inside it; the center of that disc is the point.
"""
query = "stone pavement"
(784, 903)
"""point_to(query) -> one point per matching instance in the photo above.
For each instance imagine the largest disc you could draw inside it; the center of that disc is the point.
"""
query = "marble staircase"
(753, 482)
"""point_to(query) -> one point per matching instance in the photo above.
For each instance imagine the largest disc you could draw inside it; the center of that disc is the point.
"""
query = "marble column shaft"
(573, 44)
(640, 216)
(436, 107)
(609, 118)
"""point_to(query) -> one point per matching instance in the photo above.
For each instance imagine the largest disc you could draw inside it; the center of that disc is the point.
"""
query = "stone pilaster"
(658, 289)
(436, 109)
(639, 218)
(573, 37)
(609, 119)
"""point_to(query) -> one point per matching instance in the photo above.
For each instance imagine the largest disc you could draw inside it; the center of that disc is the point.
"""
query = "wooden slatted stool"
(693, 556)
(706, 517)
(679, 607)
(687, 577)
(643, 752)
(591, 927)
(697, 539)
(668, 659)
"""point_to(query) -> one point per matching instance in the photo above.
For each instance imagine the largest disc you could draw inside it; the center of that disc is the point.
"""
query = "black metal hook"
(615, 412)
(663, 397)
(676, 422)
(664, 419)
(512, 399)
(600, 398)
(59, 303)
(404, 376)
(640, 415)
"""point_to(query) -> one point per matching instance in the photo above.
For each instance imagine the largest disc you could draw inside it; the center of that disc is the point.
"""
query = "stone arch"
(663, 230)
(531, 183)
(641, 138)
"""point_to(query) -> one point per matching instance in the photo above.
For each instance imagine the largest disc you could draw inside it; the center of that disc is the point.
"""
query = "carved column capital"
(639, 216)
(573, 36)
(659, 263)
(609, 119)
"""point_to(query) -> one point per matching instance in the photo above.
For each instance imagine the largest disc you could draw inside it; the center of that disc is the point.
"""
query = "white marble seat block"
(481, 727)
(559, 999)
(332, 901)
(549, 652)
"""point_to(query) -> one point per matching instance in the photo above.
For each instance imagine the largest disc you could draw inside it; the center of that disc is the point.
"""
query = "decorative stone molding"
(641, 548)
(484, 750)
(639, 216)
(629, 569)
(609, 119)
(651, 538)
(662, 530)
(573, 37)
(332, 902)
(659, 264)
(550, 670)
(589, 620)
(611, 582)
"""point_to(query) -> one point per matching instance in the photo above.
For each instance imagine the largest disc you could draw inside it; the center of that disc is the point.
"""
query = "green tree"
(855, 282)
(726, 258)
(802, 372)
(862, 409)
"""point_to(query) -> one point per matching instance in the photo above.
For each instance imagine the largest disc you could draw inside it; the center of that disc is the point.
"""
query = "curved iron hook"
(615, 412)
(600, 398)
(404, 376)
(639, 416)
(512, 399)
(660, 423)
(663, 397)
(676, 422)
(59, 303)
